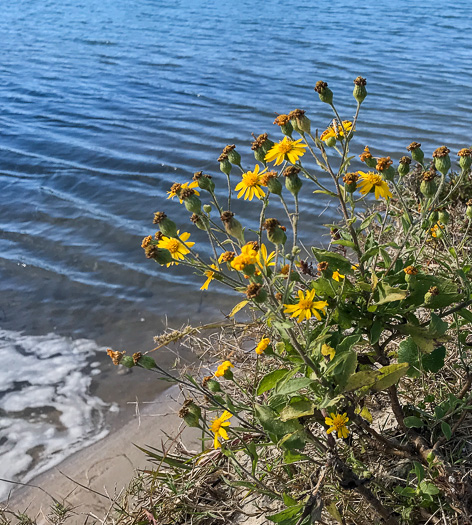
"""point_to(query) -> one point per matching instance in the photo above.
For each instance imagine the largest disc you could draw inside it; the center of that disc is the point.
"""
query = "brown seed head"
(116, 357)
(226, 216)
(469, 202)
(222, 157)
(296, 114)
(440, 152)
(205, 380)
(434, 290)
(270, 224)
(146, 241)
(228, 256)
(159, 216)
(229, 148)
(306, 268)
(411, 270)
(320, 86)
(183, 412)
(197, 175)
(186, 193)
(175, 188)
(281, 120)
(350, 178)
(259, 141)
(285, 269)
(429, 175)
(278, 296)
(366, 154)
(405, 160)
(265, 177)
(253, 290)
(254, 245)
(359, 81)
(151, 251)
(465, 152)
(158, 236)
(136, 357)
(194, 218)
(291, 171)
(383, 163)
(322, 266)
(413, 145)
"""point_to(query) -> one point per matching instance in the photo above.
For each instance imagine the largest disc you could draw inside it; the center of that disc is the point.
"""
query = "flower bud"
(416, 152)
(283, 121)
(275, 233)
(200, 221)
(166, 226)
(465, 158)
(468, 210)
(443, 216)
(234, 157)
(212, 385)
(127, 361)
(270, 180)
(367, 157)
(204, 181)
(256, 293)
(442, 160)
(428, 186)
(300, 123)
(324, 269)
(350, 182)
(261, 146)
(410, 274)
(225, 166)
(325, 94)
(292, 180)
(191, 201)
(232, 226)
(330, 142)
(404, 166)
(384, 166)
(360, 92)
(190, 413)
(160, 255)
(207, 208)
(430, 294)
(146, 362)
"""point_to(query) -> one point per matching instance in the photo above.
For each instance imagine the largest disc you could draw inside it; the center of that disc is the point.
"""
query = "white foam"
(46, 409)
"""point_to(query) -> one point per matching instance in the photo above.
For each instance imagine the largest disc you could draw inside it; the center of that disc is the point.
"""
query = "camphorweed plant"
(372, 330)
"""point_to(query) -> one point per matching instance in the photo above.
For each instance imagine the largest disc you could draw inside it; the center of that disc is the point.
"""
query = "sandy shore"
(104, 468)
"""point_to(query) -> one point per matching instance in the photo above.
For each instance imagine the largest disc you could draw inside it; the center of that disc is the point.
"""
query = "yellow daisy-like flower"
(251, 184)
(264, 258)
(306, 306)
(225, 365)
(436, 230)
(217, 427)
(337, 276)
(286, 149)
(209, 274)
(179, 187)
(336, 131)
(248, 256)
(337, 422)
(328, 351)
(374, 180)
(262, 345)
(177, 247)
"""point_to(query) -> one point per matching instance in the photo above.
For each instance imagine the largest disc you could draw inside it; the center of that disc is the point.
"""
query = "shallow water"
(103, 105)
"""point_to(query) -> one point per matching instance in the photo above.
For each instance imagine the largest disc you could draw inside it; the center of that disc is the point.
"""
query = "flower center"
(285, 147)
(375, 179)
(338, 422)
(173, 245)
(305, 304)
(251, 179)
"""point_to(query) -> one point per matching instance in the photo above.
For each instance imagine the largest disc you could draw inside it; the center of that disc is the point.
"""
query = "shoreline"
(89, 479)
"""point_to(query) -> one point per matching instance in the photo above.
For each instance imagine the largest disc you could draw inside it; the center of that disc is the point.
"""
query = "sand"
(104, 468)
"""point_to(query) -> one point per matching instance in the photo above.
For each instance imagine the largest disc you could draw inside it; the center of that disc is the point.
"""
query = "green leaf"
(293, 441)
(285, 514)
(334, 512)
(375, 331)
(428, 488)
(270, 380)
(437, 326)
(361, 379)
(347, 343)
(466, 314)
(389, 294)
(408, 353)
(390, 375)
(419, 471)
(446, 430)
(272, 424)
(294, 385)
(298, 409)
(335, 260)
(288, 500)
(413, 421)
(343, 242)
(434, 361)
(367, 222)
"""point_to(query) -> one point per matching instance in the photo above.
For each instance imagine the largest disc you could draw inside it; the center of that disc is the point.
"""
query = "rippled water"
(104, 104)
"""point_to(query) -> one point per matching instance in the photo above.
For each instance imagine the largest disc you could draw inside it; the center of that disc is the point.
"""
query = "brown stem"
(397, 408)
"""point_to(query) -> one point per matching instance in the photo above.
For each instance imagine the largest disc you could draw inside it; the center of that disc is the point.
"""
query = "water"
(103, 105)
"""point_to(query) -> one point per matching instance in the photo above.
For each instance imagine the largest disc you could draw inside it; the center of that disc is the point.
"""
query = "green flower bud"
(287, 129)
(191, 202)
(261, 146)
(430, 294)
(162, 256)
(468, 210)
(191, 413)
(428, 186)
(404, 166)
(259, 154)
(146, 362)
(225, 166)
(127, 361)
(300, 123)
(442, 160)
(330, 142)
(360, 92)
(234, 157)
(292, 180)
(211, 384)
(366, 156)
(325, 94)
(465, 158)
(275, 233)
(274, 186)
(416, 152)
(166, 226)
(443, 216)
(232, 226)
(204, 182)
(255, 292)
(207, 208)
(200, 221)
(350, 182)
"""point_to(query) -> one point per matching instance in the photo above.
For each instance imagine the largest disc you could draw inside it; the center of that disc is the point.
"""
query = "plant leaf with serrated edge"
(270, 380)
(298, 409)
(238, 307)
(390, 375)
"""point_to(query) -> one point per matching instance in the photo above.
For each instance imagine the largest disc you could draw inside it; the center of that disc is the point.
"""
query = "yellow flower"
(251, 185)
(436, 229)
(264, 259)
(225, 365)
(218, 425)
(306, 306)
(286, 149)
(336, 131)
(328, 351)
(337, 276)
(262, 345)
(373, 180)
(177, 247)
(177, 188)
(209, 274)
(248, 256)
(338, 422)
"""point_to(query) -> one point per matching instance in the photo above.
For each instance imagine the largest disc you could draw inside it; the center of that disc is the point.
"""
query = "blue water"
(104, 104)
